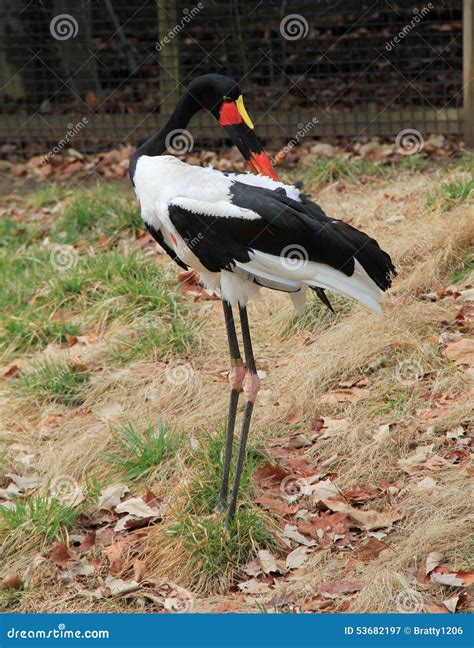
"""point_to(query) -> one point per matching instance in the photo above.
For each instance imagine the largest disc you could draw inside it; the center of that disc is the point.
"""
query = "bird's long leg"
(236, 379)
(251, 388)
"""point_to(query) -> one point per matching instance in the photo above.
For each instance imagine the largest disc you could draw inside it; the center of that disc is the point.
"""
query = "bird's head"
(221, 96)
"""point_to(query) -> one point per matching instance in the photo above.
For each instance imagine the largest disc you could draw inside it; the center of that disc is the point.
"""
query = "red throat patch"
(229, 114)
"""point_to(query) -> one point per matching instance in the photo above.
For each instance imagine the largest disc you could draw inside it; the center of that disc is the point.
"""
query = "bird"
(245, 231)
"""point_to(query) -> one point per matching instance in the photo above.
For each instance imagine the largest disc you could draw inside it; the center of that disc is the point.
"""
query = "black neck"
(156, 145)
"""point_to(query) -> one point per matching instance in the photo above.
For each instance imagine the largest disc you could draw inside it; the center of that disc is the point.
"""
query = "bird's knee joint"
(236, 377)
(251, 386)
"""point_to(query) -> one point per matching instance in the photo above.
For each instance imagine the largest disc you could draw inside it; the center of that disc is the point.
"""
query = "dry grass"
(427, 246)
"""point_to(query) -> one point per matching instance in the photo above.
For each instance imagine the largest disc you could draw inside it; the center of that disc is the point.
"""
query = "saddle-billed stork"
(241, 232)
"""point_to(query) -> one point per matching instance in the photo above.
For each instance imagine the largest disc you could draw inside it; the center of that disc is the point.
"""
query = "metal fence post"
(468, 65)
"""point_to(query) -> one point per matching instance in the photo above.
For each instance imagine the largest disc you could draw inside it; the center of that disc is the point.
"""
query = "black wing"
(219, 241)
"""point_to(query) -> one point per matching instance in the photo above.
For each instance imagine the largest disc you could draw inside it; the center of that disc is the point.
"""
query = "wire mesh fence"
(112, 70)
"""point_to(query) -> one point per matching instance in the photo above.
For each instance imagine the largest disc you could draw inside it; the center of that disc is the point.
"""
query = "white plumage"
(165, 180)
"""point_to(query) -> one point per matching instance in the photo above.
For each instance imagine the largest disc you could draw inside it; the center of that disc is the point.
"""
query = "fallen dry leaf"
(116, 553)
(296, 557)
(111, 496)
(118, 586)
(461, 352)
(137, 507)
(454, 579)
(88, 542)
(81, 568)
(337, 588)
(27, 482)
(139, 570)
(367, 520)
(292, 533)
(269, 475)
(254, 586)
(333, 426)
(371, 548)
(267, 561)
(451, 603)
(433, 559)
(336, 396)
(253, 568)
(11, 371)
(323, 490)
(60, 555)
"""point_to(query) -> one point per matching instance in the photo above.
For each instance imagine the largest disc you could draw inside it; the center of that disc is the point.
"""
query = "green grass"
(452, 193)
(396, 401)
(53, 382)
(209, 462)
(154, 342)
(38, 518)
(465, 269)
(47, 196)
(216, 551)
(457, 192)
(210, 550)
(44, 300)
(412, 163)
(138, 452)
(41, 304)
(101, 210)
(327, 170)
